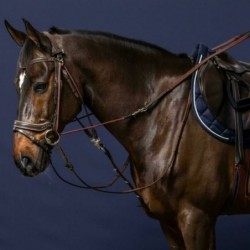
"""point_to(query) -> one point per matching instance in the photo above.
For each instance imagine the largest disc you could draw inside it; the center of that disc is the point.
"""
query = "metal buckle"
(52, 137)
(58, 55)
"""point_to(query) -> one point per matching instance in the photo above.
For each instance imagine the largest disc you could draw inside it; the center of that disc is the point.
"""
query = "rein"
(52, 136)
(219, 50)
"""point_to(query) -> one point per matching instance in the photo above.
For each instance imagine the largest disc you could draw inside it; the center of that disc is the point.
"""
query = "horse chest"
(153, 204)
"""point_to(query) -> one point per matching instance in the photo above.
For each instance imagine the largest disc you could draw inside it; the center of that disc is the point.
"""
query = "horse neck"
(117, 80)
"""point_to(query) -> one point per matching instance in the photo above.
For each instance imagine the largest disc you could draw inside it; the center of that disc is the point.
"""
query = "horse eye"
(40, 87)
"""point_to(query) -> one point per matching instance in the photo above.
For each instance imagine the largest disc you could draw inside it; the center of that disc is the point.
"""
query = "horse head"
(42, 96)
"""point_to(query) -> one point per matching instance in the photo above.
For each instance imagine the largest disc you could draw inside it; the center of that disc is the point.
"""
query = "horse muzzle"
(32, 146)
(32, 165)
(31, 158)
(29, 168)
(32, 155)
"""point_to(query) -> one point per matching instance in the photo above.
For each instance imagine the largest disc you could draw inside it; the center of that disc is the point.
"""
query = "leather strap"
(35, 127)
(39, 143)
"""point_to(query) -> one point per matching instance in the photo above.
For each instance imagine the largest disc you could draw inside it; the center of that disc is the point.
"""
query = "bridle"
(50, 128)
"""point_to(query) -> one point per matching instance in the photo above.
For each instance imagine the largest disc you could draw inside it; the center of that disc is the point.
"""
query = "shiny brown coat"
(117, 76)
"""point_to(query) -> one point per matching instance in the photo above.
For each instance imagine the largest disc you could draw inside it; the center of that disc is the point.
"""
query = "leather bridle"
(49, 128)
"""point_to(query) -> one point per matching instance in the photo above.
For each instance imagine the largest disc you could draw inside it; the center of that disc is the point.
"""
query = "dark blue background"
(42, 212)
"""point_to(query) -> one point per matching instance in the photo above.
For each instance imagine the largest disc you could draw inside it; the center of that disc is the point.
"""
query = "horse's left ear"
(18, 36)
(39, 39)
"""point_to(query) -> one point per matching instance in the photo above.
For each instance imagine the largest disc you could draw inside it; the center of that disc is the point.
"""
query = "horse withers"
(183, 175)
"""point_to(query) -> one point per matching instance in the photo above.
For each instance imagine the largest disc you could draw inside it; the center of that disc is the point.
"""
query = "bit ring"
(52, 137)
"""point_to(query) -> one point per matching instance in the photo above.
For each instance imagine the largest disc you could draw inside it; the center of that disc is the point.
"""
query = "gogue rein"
(50, 128)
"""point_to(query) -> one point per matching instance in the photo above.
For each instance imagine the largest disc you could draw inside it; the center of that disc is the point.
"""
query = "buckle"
(58, 55)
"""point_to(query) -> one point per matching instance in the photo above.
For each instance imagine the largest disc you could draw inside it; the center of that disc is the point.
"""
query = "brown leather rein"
(50, 128)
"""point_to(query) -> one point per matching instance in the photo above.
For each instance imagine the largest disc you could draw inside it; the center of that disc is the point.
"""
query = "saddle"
(221, 104)
(221, 97)
(225, 86)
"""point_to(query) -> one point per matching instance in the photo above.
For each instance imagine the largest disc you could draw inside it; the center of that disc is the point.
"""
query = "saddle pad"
(200, 108)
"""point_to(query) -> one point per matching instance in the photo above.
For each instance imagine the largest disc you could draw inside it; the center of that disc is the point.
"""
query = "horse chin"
(32, 166)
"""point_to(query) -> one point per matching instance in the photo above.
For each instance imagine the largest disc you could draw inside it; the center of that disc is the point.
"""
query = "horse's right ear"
(18, 36)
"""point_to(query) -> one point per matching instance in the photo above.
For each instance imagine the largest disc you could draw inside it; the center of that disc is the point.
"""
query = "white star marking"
(21, 79)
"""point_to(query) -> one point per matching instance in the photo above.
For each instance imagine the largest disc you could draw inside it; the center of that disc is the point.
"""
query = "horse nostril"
(26, 163)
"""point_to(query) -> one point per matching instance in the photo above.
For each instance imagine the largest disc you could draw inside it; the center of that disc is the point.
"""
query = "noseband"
(49, 128)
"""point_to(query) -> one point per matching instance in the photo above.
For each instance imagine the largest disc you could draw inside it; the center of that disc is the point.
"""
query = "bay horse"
(183, 175)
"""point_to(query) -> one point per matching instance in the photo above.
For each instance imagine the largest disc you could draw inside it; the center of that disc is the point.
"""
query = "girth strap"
(239, 148)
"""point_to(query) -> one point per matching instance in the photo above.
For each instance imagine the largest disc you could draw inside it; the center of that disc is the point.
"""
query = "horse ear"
(39, 39)
(18, 36)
